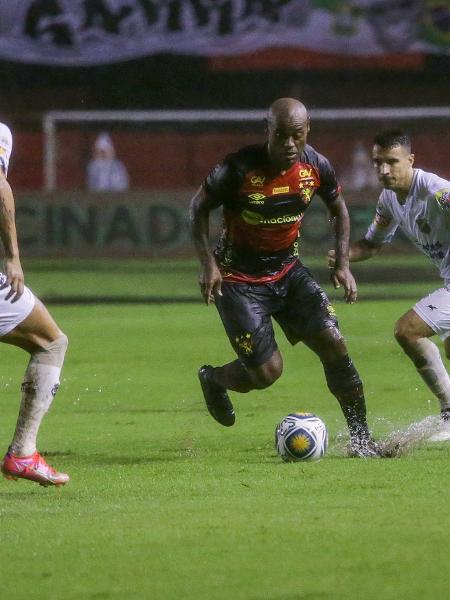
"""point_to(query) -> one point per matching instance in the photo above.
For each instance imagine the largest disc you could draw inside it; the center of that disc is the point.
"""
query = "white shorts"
(13, 313)
(434, 309)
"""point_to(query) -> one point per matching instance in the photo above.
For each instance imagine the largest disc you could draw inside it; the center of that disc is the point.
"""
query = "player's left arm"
(8, 234)
(340, 273)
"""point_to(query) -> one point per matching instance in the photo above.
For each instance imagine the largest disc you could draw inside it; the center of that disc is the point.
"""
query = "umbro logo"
(431, 307)
(256, 198)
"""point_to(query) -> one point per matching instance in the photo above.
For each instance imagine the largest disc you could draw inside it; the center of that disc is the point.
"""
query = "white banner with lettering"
(93, 32)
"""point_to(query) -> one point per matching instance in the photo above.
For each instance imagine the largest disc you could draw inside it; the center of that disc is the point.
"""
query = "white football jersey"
(5, 147)
(424, 218)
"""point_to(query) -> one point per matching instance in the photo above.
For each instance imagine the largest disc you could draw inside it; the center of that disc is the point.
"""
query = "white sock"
(433, 372)
(40, 384)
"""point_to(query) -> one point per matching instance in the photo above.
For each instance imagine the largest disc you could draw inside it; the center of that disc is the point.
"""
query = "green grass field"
(165, 504)
(169, 280)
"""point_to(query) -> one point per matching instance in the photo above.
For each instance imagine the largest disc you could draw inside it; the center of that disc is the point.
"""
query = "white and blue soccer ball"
(301, 436)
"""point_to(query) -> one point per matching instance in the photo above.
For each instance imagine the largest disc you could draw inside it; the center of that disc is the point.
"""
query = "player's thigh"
(245, 312)
(37, 330)
(306, 310)
(412, 326)
(328, 344)
(429, 316)
(14, 313)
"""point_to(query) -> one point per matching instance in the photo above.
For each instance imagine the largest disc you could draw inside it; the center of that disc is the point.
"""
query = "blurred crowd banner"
(90, 32)
(143, 224)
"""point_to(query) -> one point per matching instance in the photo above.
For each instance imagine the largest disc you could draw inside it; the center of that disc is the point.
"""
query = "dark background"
(172, 81)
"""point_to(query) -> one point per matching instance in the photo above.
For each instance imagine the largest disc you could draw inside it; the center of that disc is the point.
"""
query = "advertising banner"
(143, 225)
(94, 32)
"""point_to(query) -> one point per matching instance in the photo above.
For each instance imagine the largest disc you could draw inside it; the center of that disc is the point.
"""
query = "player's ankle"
(22, 451)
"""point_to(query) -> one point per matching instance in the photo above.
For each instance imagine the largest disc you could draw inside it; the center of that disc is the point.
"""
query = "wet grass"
(164, 503)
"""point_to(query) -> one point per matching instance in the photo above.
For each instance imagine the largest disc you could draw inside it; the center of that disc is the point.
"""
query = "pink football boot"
(33, 468)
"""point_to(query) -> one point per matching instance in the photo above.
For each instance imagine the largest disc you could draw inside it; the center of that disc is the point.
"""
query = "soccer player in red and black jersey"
(255, 273)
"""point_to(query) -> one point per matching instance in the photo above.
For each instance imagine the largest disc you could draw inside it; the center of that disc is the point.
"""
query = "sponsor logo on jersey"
(258, 180)
(256, 198)
(306, 173)
(253, 218)
(281, 190)
(443, 199)
(244, 343)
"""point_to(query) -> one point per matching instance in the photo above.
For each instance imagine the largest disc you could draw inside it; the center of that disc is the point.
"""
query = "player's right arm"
(380, 232)
(358, 251)
(11, 264)
(210, 278)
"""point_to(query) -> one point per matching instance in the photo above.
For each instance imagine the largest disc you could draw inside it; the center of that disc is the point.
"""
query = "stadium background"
(163, 503)
(166, 161)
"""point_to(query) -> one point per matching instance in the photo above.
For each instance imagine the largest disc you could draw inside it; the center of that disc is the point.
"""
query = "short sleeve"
(223, 182)
(383, 227)
(6, 145)
(329, 188)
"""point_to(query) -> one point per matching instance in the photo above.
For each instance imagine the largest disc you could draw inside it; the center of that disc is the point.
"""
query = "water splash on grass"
(398, 442)
(403, 441)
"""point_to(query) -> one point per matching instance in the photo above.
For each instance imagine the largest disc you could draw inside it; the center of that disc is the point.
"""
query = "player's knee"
(264, 379)
(342, 376)
(404, 333)
(329, 345)
(265, 375)
(53, 353)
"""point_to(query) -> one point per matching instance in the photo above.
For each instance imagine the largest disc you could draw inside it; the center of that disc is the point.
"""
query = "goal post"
(222, 120)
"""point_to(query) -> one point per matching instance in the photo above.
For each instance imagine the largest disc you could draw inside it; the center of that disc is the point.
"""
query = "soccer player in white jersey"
(26, 323)
(417, 203)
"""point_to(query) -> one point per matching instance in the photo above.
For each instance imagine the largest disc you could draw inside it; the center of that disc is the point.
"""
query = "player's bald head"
(287, 126)
(287, 111)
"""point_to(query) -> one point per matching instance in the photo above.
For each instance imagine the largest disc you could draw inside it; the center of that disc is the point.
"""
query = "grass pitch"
(164, 503)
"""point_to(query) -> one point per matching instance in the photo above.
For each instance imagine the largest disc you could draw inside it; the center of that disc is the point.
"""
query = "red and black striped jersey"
(263, 210)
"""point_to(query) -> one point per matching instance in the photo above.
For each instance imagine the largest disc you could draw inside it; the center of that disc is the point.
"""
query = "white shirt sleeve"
(383, 227)
(6, 144)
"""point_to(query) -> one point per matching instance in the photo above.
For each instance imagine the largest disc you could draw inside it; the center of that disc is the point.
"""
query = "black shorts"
(296, 302)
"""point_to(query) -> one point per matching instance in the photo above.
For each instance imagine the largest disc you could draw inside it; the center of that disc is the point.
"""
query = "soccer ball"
(301, 436)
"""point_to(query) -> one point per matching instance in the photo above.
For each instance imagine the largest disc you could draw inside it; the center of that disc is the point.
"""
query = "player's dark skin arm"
(340, 271)
(8, 235)
(210, 279)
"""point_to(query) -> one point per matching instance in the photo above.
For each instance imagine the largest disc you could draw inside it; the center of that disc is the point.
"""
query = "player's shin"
(345, 384)
(430, 367)
(39, 387)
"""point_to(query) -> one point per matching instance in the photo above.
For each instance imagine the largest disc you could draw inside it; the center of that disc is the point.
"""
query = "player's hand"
(210, 282)
(14, 278)
(342, 276)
